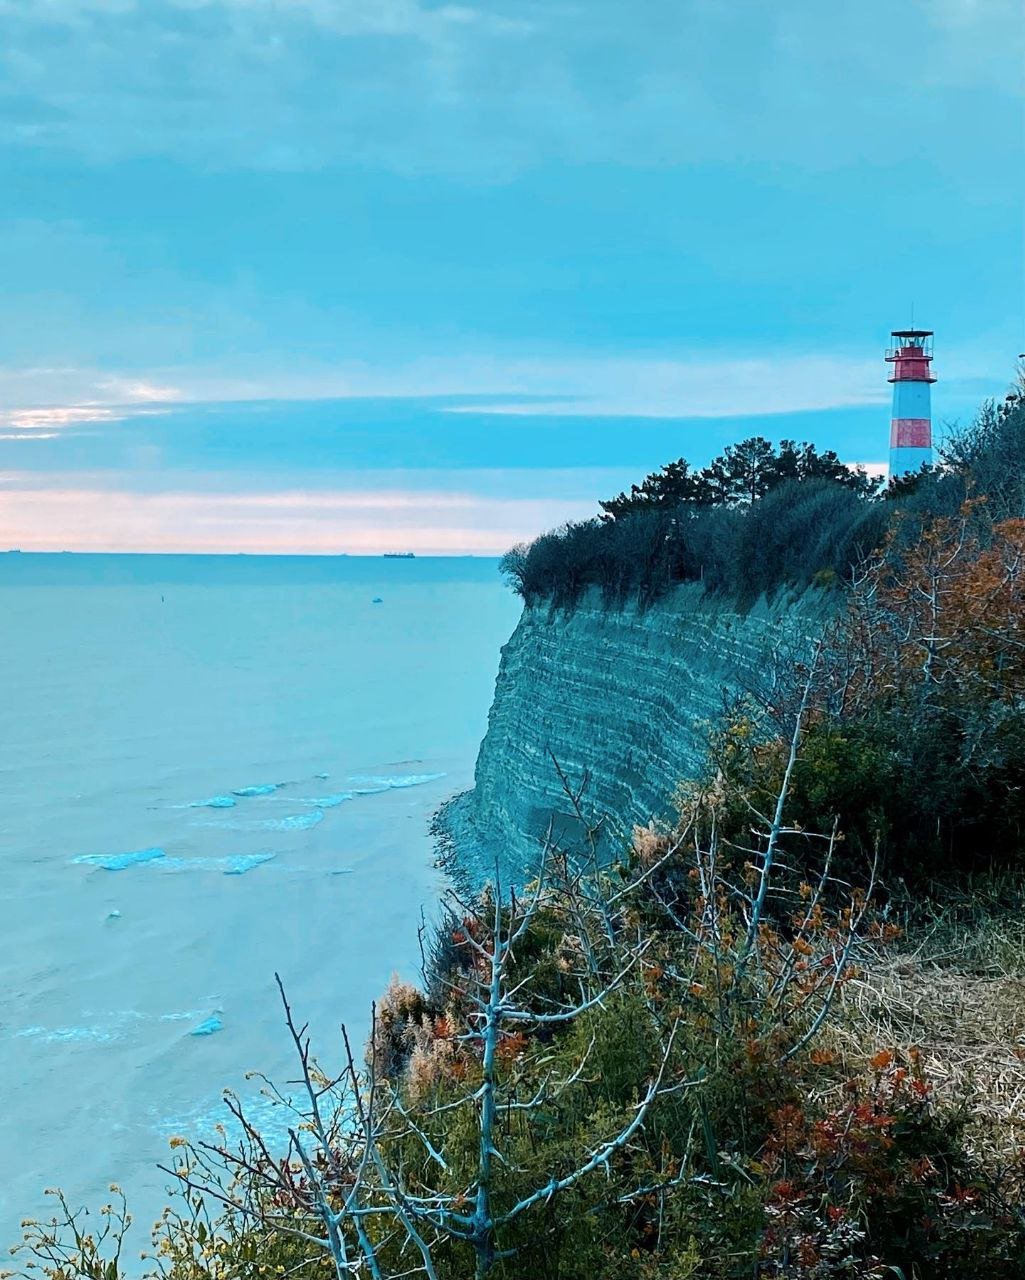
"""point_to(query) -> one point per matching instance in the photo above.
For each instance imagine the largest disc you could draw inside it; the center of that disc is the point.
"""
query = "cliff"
(623, 696)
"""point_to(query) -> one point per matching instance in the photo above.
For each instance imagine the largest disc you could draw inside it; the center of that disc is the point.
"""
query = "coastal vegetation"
(754, 518)
(759, 518)
(780, 1035)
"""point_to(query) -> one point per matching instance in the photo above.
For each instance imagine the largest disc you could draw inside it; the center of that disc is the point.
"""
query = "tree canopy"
(743, 473)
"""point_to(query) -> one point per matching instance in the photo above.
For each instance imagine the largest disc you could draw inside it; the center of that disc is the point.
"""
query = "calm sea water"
(211, 769)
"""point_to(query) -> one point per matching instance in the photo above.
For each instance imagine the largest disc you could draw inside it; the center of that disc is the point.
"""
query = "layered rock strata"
(624, 698)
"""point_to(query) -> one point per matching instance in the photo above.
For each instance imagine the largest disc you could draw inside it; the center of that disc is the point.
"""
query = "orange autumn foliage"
(944, 614)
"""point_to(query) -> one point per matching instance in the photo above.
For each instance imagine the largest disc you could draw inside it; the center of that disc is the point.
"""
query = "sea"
(213, 769)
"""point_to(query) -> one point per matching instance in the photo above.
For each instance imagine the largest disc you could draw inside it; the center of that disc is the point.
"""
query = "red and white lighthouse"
(912, 378)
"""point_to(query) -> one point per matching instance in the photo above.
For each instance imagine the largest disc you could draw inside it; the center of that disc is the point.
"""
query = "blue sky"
(325, 275)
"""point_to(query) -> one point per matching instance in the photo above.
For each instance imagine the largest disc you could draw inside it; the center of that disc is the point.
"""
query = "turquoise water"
(211, 769)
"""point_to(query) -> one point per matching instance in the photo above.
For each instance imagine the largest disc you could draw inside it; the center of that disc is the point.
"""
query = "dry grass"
(955, 993)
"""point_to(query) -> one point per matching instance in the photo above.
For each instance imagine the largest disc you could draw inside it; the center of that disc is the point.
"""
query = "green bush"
(800, 532)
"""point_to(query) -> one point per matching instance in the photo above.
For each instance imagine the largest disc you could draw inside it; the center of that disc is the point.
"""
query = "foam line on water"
(293, 822)
(234, 865)
(327, 802)
(215, 802)
(373, 783)
(108, 1027)
(271, 1118)
(261, 789)
(119, 861)
(62, 1035)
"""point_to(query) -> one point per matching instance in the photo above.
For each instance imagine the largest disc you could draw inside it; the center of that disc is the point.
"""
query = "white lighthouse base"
(905, 459)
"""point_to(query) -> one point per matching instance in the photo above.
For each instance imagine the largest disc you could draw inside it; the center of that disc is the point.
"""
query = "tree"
(919, 707)
(741, 474)
(675, 484)
(942, 618)
(804, 462)
(988, 455)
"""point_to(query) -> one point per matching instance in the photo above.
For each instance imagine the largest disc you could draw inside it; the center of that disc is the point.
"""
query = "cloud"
(37, 401)
(62, 416)
(691, 385)
(493, 87)
(44, 423)
(713, 386)
(49, 387)
(874, 469)
(35, 517)
(138, 391)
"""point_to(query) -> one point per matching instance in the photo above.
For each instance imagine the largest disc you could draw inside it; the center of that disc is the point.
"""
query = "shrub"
(799, 531)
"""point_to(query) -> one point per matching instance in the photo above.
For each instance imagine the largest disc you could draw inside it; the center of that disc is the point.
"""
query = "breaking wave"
(62, 1035)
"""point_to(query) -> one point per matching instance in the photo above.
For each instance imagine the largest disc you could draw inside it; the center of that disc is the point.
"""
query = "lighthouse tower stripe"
(911, 400)
(910, 433)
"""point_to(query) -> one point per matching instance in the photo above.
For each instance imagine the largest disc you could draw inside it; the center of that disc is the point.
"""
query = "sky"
(369, 275)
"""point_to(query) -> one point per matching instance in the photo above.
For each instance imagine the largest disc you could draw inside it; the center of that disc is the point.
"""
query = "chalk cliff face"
(625, 697)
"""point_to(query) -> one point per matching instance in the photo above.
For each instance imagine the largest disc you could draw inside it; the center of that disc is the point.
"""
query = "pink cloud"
(290, 521)
(63, 416)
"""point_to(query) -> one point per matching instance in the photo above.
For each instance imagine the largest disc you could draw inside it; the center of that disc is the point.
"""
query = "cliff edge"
(625, 697)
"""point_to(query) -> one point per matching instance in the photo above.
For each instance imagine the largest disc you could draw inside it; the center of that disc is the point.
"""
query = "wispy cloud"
(57, 416)
(40, 518)
(128, 390)
(37, 402)
(692, 385)
(713, 386)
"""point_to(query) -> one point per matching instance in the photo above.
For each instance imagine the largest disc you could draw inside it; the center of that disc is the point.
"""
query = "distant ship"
(399, 555)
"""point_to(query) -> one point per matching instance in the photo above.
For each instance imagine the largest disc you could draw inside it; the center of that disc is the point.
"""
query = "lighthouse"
(911, 424)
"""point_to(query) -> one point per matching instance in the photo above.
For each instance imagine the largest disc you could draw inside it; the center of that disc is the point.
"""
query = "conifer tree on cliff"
(741, 474)
(674, 485)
